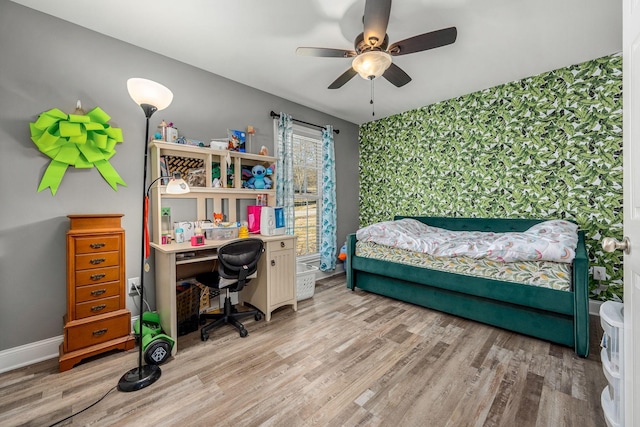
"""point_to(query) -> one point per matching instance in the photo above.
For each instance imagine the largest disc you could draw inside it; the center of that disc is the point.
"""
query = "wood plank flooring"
(344, 359)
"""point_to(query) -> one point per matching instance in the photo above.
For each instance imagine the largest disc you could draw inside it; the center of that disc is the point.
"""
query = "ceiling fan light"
(371, 64)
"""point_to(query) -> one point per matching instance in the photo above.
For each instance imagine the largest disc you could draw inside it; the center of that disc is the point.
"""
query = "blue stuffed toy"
(259, 180)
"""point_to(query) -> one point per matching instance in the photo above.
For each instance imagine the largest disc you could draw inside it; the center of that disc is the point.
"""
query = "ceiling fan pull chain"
(373, 106)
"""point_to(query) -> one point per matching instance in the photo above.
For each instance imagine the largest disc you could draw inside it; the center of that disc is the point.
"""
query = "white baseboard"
(324, 274)
(29, 354)
(594, 307)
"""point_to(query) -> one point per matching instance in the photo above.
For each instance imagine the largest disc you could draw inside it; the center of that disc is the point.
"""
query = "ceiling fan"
(372, 54)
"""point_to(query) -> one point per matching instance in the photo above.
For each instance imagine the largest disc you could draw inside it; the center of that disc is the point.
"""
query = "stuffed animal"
(259, 180)
(343, 252)
(217, 219)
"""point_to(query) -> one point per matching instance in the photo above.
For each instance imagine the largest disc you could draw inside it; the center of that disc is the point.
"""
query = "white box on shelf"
(172, 134)
(188, 229)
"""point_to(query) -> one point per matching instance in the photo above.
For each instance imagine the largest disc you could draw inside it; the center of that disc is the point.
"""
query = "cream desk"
(274, 287)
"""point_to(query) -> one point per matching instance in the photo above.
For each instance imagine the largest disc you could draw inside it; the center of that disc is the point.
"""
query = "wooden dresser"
(97, 319)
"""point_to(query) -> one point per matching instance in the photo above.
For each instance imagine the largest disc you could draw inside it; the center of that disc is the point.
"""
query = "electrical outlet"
(134, 286)
(599, 273)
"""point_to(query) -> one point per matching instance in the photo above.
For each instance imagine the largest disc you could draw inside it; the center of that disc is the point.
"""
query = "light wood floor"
(344, 359)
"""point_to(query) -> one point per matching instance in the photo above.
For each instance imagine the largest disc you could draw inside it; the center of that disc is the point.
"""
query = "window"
(307, 179)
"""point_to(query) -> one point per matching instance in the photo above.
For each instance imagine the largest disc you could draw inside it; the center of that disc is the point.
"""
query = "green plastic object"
(156, 345)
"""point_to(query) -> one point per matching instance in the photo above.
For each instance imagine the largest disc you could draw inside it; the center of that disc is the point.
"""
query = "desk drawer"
(101, 306)
(93, 244)
(98, 275)
(276, 245)
(84, 334)
(95, 292)
(101, 259)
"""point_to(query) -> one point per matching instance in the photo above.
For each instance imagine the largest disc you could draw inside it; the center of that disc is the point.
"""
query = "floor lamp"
(151, 97)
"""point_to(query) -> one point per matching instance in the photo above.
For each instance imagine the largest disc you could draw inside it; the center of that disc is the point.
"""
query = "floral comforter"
(554, 240)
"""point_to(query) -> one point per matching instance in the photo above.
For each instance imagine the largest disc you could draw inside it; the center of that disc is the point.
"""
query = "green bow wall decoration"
(79, 140)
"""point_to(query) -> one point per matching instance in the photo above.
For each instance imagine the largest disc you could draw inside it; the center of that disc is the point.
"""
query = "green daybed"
(557, 316)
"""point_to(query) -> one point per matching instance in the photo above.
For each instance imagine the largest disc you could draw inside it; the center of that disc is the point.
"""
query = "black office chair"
(237, 265)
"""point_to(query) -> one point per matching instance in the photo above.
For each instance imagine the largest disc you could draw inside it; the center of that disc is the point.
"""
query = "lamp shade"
(177, 185)
(371, 64)
(148, 92)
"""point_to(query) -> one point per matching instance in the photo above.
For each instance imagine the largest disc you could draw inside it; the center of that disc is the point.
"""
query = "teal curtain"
(328, 216)
(284, 170)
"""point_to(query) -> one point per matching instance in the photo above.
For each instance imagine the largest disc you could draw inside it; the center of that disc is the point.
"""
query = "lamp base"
(139, 378)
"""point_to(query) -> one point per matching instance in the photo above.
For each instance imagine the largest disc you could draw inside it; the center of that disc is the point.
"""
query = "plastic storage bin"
(612, 321)
(610, 408)
(305, 281)
(223, 233)
(612, 356)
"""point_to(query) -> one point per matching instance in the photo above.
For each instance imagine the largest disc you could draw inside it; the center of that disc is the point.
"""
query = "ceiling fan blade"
(424, 41)
(376, 20)
(345, 77)
(396, 75)
(325, 52)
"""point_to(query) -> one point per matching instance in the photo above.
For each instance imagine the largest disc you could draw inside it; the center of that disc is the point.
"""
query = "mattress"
(546, 274)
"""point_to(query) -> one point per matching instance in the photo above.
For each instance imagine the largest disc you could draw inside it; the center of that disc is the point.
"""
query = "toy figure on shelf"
(259, 179)
(243, 232)
(218, 217)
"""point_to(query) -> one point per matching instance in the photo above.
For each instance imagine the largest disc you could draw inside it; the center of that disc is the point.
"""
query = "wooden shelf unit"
(206, 157)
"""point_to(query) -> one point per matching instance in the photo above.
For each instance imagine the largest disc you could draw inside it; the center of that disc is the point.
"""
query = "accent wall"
(548, 146)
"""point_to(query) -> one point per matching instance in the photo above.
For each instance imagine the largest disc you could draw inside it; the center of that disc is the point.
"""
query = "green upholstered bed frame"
(558, 316)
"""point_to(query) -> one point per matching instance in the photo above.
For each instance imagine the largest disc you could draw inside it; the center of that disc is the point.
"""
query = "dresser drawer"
(101, 306)
(92, 244)
(101, 259)
(94, 292)
(81, 334)
(98, 275)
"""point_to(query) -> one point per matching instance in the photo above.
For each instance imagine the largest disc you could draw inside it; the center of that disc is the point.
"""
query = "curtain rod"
(274, 115)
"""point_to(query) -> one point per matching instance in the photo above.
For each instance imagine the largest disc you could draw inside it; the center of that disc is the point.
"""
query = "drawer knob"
(100, 332)
(97, 276)
(283, 244)
(98, 292)
(99, 307)
(97, 245)
(97, 261)
(273, 262)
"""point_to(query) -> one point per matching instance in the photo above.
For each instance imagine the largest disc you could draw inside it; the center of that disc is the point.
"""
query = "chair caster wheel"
(243, 333)
(258, 316)
(204, 336)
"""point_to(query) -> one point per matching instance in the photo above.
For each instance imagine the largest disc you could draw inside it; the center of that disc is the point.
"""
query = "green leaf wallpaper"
(548, 146)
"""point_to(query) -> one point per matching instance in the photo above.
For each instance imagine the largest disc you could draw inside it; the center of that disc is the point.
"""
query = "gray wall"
(45, 63)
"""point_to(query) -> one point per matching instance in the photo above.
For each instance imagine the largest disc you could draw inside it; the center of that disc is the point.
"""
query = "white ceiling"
(254, 42)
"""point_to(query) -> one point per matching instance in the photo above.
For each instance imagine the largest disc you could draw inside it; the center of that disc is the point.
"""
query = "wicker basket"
(188, 302)
(305, 280)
